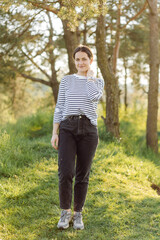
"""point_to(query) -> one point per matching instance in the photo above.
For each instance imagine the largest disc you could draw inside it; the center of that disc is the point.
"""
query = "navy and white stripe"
(77, 96)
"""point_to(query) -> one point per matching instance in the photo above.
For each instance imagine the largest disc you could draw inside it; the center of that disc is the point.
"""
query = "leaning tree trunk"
(53, 79)
(71, 42)
(117, 38)
(111, 83)
(151, 134)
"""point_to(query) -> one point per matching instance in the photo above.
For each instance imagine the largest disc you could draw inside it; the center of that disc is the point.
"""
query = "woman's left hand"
(90, 73)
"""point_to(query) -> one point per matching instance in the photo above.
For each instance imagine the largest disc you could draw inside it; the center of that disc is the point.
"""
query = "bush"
(103, 134)
(37, 125)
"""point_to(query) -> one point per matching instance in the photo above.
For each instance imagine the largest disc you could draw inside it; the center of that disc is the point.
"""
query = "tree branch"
(20, 35)
(46, 7)
(129, 5)
(144, 90)
(39, 52)
(28, 21)
(35, 79)
(51, 43)
(135, 16)
(35, 64)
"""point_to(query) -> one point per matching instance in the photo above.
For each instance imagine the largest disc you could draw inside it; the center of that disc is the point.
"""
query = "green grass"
(120, 204)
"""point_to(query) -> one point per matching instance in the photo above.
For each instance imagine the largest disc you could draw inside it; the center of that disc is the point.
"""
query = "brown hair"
(83, 48)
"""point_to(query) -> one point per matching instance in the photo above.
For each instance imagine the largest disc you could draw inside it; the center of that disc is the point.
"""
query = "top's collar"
(80, 76)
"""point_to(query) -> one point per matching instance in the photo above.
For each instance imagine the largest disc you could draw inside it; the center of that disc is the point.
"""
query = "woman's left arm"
(95, 88)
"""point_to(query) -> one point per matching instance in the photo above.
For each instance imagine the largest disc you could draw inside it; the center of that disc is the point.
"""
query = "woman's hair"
(83, 48)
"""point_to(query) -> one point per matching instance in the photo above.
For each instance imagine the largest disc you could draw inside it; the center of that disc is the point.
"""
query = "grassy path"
(120, 203)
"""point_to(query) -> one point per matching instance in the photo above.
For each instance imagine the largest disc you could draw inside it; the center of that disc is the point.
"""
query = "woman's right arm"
(55, 138)
(58, 114)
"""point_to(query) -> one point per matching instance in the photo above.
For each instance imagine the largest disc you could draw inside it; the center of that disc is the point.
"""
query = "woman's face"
(82, 63)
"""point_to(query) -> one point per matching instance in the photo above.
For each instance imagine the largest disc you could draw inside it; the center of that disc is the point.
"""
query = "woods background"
(37, 41)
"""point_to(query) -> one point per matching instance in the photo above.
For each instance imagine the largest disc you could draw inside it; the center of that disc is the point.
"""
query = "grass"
(120, 204)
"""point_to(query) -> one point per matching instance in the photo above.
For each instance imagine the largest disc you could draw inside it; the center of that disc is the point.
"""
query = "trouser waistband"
(78, 117)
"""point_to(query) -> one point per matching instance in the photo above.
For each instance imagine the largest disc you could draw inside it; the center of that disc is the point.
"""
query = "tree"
(65, 11)
(151, 133)
(112, 118)
(109, 69)
(134, 54)
(21, 47)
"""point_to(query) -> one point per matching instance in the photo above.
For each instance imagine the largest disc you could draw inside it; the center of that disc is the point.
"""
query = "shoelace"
(77, 217)
(64, 216)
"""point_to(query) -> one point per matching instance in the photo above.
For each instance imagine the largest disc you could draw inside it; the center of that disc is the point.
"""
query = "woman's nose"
(81, 62)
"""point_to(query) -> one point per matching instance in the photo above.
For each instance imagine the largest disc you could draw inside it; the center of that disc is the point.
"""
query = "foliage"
(25, 34)
(78, 11)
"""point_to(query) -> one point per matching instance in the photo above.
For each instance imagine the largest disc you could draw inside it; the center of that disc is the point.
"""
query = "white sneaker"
(77, 221)
(66, 217)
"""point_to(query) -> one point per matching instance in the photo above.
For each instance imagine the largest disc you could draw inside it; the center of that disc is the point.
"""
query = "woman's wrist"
(55, 129)
(54, 134)
(91, 78)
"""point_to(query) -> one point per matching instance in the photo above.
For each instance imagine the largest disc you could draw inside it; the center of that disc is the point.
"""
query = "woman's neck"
(82, 74)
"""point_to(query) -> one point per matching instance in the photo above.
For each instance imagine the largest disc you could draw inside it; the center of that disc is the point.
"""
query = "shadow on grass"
(34, 210)
(124, 219)
(109, 214)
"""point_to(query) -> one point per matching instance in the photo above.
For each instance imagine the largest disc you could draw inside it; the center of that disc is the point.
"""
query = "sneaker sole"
(78, 228)
(64, 227)
(59, 227)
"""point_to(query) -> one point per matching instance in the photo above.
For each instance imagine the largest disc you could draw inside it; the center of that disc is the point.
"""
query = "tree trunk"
(125, 83)
(53, 78)
(71, 42)
(151, 134)
(111, 83)
(117, 38)
(85, 34)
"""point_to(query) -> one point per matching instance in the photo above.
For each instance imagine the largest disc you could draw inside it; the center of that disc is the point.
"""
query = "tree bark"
(151, 133)
(85, 34)
(71, 42)
(125, 84)
(117, 38)
(53, 78)
(111, 83)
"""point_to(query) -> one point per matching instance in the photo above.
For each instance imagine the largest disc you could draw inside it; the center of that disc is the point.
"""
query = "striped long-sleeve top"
(78, 96)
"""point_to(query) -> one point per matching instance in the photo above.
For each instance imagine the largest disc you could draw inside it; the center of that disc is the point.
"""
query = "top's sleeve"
(60, 103)
(95, 89)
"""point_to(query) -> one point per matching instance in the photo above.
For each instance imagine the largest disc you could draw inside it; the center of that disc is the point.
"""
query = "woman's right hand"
(54, 141)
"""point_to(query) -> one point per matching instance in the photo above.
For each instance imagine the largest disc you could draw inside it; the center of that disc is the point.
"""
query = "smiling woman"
(82, 63)
(75, 117)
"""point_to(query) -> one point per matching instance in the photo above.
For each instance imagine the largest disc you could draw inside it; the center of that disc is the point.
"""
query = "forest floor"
(120, 205)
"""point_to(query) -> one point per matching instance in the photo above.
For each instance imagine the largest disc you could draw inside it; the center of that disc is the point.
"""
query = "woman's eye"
(83, 59)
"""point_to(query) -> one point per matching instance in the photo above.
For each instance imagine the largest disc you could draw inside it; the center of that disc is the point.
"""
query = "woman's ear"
(91, 60)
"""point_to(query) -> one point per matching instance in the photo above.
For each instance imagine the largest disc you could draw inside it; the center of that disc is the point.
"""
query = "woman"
(76, 119)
